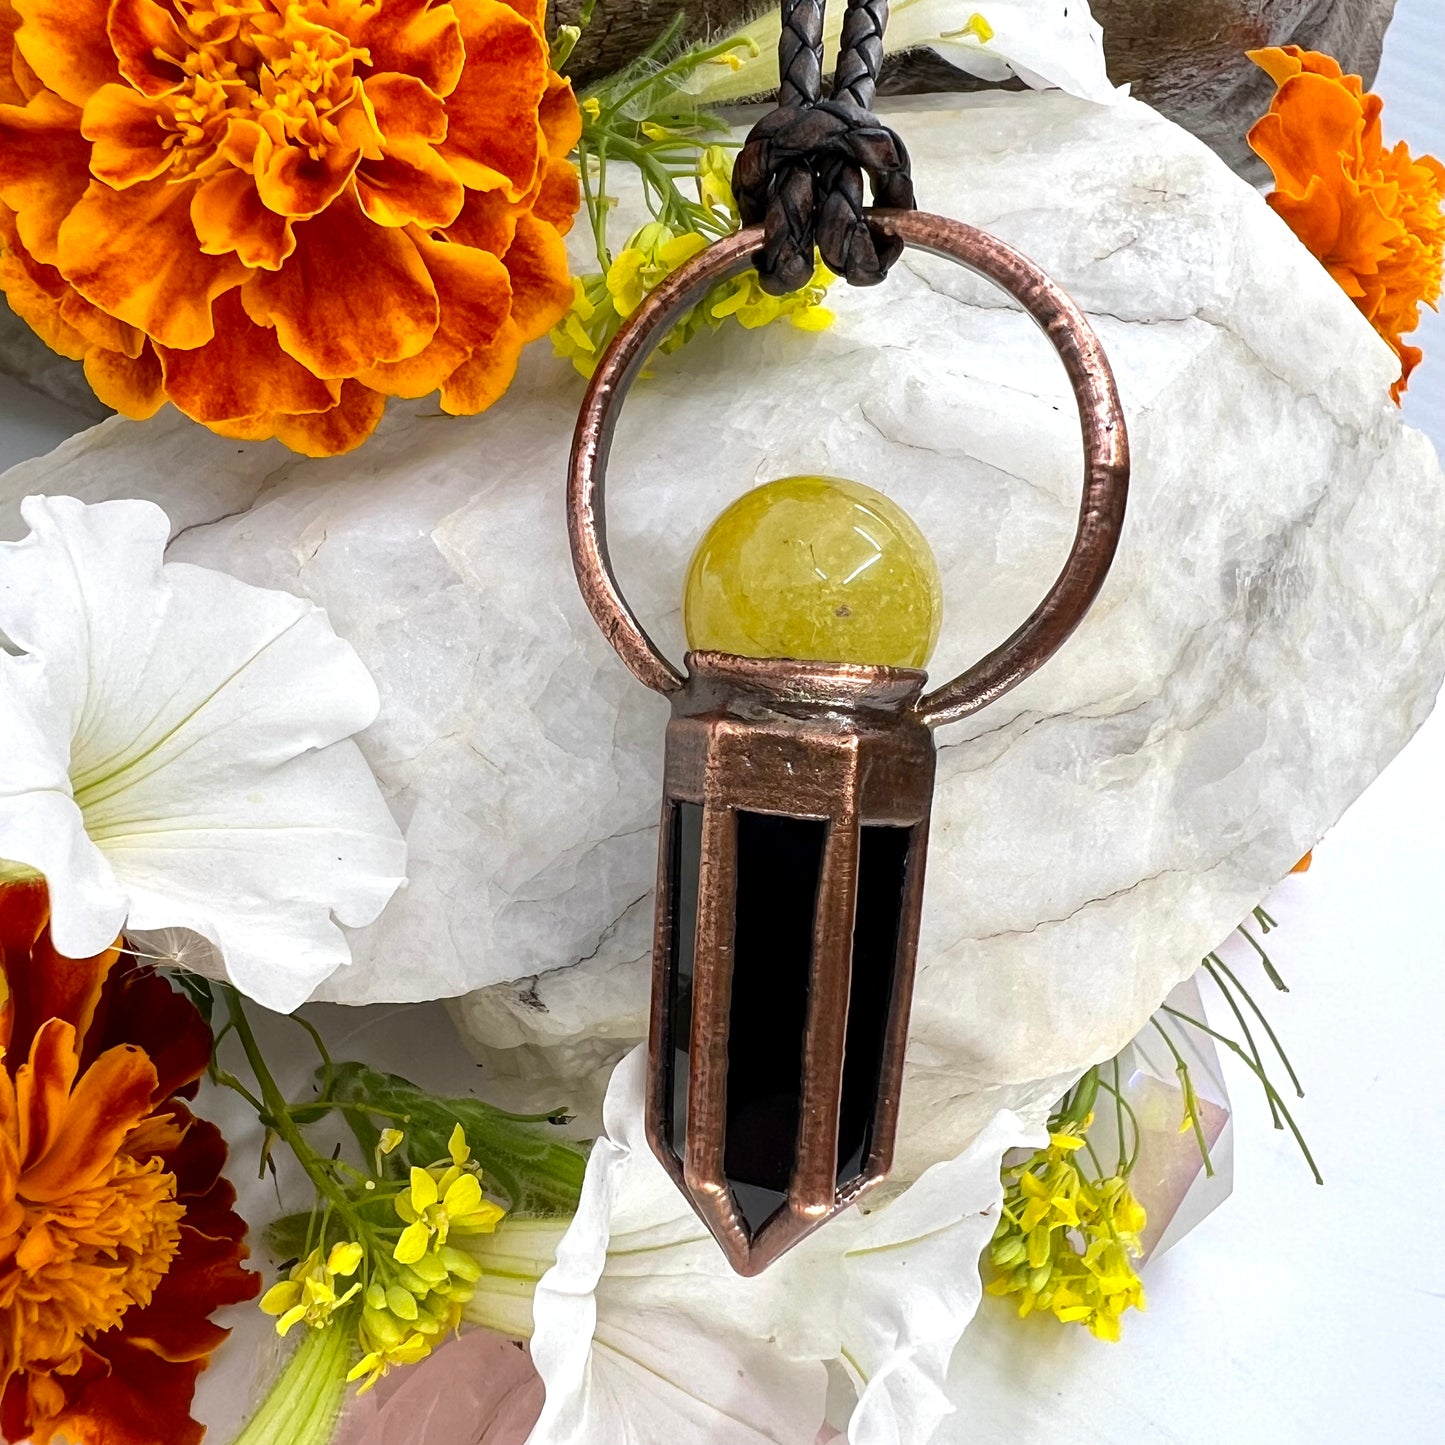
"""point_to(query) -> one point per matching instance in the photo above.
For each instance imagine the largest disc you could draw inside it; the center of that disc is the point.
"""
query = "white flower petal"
(1046, 43)
(203, 729)
(39, 823)
(643, 1335)
(913, 1285)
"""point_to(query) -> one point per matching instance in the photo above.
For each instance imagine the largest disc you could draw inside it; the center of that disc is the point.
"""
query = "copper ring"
(1106, 454)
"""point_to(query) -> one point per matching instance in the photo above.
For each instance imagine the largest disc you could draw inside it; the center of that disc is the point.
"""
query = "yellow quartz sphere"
(819, 569)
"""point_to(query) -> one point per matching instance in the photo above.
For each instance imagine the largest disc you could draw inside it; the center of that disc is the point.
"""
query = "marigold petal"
(127, 135)
(44, 169)
(341, 429)
(42, 1089)
(142, 1008)
(241, 372)
(406, 108)
(494, 138)
(65, 44)
(37, 301)
(541, 283)
(137, 1399)
(416, 38)
(41, 984)
(11, 92)
(474, 292)
(559, 197)
(534, 12)
(1306, 147)
(1277, 62)
(229, 216)
(130, 385)
(113, 1095)
(484, 376)
(96, 326)
(134, 254)
(351, 295)
(205, 1276)
(148, 45)
(410, 184)
(561, 116)
(488, 221)
(293, 183)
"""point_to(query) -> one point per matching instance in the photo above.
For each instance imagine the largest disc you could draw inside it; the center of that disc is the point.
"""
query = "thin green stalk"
(1128, 1109)
(1191, 1101)
(1265, 959)
(328, 1069)
(682, 67)
(1080, 1104)
(1259, 1014)
(1249, 1063)
(1118, 1114)
(276, 1113)
(1209, 968)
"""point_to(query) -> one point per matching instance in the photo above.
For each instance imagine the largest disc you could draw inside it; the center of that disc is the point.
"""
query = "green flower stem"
(304, 1404)
(1080, 1103)
(1259, 1014)
(1266, 922)
(1249, 1063)
(1124, 1109)
(1186, 1082)
(276, 1114)
(1219, 983)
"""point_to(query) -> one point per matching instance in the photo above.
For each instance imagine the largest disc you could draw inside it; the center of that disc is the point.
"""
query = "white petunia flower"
(1048, 44)
(176, 752)
(643, 1336)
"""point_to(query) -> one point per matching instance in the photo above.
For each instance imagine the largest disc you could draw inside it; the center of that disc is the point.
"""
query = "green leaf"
(535, 1173)
(195, 988)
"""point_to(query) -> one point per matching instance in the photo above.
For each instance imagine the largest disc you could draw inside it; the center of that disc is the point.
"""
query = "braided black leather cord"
(801, 171)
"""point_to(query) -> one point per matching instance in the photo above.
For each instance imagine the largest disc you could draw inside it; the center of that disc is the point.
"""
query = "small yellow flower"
(1064, 1242)
(592, 108)
(390, 1138)
(308, 1295)
(439, 1201)
(625, 280)
(401, 1323)
(715, 181)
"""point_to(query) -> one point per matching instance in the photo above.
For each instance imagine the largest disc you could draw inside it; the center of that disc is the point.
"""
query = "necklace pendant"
(790, 883)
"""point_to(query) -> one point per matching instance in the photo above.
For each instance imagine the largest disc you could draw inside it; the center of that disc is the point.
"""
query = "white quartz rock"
(1269, 637)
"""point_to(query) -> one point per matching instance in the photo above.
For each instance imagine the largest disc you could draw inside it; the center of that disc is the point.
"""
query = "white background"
(1295, 1315)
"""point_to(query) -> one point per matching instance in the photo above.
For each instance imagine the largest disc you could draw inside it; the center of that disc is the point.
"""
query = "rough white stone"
(26, 358)
(1269, 637)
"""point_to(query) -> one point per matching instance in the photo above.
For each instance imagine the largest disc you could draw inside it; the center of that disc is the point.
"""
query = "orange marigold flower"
(1372, 215)
(277, 213)
(118, 1239)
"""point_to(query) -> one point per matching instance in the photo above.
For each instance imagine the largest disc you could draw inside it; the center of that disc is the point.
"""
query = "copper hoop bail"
(1106, 454)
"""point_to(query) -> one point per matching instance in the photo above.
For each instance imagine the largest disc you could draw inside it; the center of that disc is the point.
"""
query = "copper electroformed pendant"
(795, 820)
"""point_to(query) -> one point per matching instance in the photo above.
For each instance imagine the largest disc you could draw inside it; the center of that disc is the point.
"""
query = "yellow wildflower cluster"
(308, 1295)
(415, 1300)
(1064, 1242)
(601, 302)
(410, 1294)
